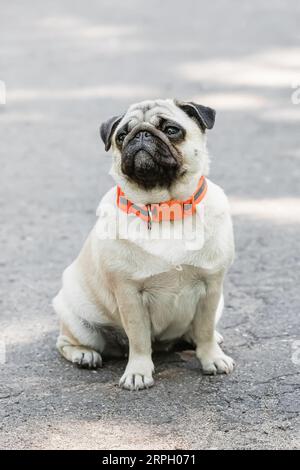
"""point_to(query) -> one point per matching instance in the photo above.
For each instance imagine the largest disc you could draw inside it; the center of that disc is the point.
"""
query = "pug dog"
(126, 294)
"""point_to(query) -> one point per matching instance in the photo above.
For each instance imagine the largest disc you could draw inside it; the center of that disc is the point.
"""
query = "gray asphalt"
(67, 66)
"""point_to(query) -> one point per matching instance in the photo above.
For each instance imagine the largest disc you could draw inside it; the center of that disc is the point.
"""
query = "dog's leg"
(219, 337)
(136, 323)
(219, 312)
(82, 345)
(208, 351)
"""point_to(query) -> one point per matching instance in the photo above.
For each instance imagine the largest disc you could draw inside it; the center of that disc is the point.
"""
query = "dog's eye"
(171, 130)
(121, 137)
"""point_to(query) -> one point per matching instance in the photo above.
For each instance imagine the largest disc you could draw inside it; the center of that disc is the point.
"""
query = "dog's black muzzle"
(148, 159)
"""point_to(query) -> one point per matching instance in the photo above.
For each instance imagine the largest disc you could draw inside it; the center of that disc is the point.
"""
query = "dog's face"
(156, 143)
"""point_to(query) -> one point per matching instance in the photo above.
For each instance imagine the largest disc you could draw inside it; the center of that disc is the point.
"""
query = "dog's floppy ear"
(204, 115)
(107, 129)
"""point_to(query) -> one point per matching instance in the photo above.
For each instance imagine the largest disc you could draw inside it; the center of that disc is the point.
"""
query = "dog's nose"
(143, 135)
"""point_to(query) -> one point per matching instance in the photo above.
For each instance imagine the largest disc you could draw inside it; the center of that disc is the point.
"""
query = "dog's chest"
(171, 299)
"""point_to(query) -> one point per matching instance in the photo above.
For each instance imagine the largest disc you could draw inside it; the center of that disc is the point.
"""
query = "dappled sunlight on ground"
(280, 211)
(112, 91)
(82, 28)
(270, 68)
(233, 100)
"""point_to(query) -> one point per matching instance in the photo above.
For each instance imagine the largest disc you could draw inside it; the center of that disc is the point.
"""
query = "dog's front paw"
(138, 374)
(214, 361)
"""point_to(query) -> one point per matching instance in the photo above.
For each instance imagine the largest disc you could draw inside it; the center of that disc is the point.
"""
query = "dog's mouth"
(149, 160)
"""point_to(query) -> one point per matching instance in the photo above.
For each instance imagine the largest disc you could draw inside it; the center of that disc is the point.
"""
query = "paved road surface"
(68, 65)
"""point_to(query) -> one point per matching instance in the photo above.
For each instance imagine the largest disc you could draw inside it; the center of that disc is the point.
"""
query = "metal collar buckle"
(149, 216)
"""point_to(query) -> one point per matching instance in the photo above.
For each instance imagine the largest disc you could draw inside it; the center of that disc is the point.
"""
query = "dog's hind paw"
(86, 358)
(82, 356)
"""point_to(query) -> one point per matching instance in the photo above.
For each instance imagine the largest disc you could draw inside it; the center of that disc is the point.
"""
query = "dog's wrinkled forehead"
(189, 115)
(150, 112)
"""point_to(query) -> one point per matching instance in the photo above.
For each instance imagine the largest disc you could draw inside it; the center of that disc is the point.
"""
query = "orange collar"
(168, 210)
